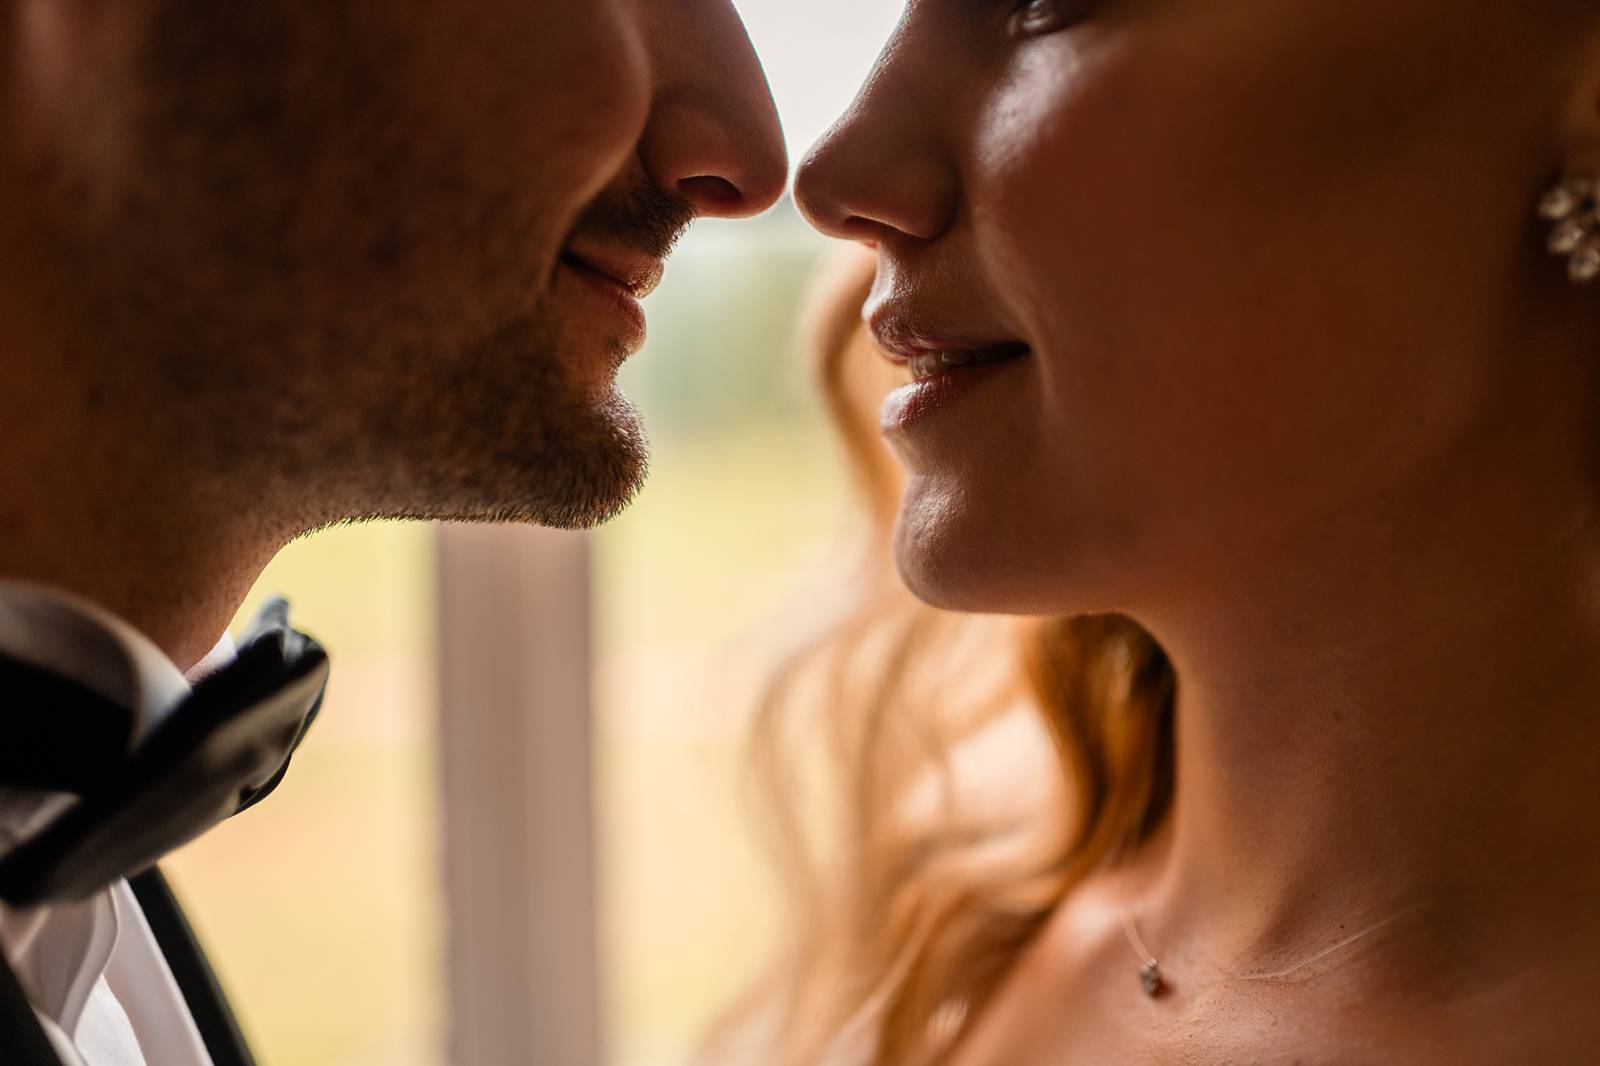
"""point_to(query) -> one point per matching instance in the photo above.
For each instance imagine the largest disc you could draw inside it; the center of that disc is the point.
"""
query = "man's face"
(374, 256)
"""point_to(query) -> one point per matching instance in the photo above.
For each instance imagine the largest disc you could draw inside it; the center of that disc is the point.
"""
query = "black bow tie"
(222, 749)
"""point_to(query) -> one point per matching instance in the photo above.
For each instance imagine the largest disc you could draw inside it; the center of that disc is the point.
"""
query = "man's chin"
(595, 507)
(566, 466)
(584, 474)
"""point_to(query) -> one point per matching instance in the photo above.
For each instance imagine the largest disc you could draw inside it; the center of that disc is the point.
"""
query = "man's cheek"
(590, 99)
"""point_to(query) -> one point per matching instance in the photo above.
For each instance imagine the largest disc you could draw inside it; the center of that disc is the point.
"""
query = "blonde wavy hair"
(938, 782)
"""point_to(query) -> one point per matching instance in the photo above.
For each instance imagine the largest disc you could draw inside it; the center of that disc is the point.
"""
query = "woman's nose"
(881, 173)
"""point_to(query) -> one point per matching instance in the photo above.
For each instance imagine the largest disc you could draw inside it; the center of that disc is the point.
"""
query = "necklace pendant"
(1150, 979)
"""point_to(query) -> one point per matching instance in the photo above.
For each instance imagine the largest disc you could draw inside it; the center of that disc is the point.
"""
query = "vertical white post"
(519, 844)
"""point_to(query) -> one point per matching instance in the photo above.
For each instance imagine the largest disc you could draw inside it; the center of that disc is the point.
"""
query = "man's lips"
(638, 273)
(619, 280)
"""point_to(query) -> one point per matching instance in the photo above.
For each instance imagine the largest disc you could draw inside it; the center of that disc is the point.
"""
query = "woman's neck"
(1416, 741)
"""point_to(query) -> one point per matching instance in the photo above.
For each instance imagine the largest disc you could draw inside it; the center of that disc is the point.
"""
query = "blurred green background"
(324, 906)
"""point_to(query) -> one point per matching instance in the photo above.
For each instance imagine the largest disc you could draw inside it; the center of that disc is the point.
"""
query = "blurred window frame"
(516, 790)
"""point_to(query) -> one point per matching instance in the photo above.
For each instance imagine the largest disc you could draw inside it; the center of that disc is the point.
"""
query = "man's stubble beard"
(309, 397)
(506, 434)
(501, 430)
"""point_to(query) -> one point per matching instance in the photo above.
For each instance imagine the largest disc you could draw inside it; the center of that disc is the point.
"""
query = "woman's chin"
(950, 565)
(991, 558)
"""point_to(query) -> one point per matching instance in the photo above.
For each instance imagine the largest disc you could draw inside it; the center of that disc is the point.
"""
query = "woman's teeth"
(929, 364)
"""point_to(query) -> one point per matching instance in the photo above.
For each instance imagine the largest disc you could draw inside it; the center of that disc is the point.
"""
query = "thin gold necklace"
(1150, 978)
(1153, 981)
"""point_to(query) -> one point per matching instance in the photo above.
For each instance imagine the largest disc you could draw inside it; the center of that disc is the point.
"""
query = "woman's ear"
(1571, 205)
(1578, 128)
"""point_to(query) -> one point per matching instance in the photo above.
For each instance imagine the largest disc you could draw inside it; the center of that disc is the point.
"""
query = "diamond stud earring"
(1572, 208)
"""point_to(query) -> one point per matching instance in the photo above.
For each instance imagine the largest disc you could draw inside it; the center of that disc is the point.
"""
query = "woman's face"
(1245, 268)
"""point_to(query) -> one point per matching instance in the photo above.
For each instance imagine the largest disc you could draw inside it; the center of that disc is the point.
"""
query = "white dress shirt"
(92, 970)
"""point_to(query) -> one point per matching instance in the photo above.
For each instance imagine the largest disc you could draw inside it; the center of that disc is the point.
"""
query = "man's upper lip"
(638, 272)
(902, 334)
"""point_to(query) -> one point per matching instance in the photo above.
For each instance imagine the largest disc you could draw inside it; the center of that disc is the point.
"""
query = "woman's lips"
(946, 364)
(926, 396)
(904, 335)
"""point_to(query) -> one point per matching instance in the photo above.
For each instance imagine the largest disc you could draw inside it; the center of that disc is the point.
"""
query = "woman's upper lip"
(903, 335)
(638, 272)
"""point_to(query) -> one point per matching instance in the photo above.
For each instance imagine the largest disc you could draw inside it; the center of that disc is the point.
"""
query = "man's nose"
(713, 136)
